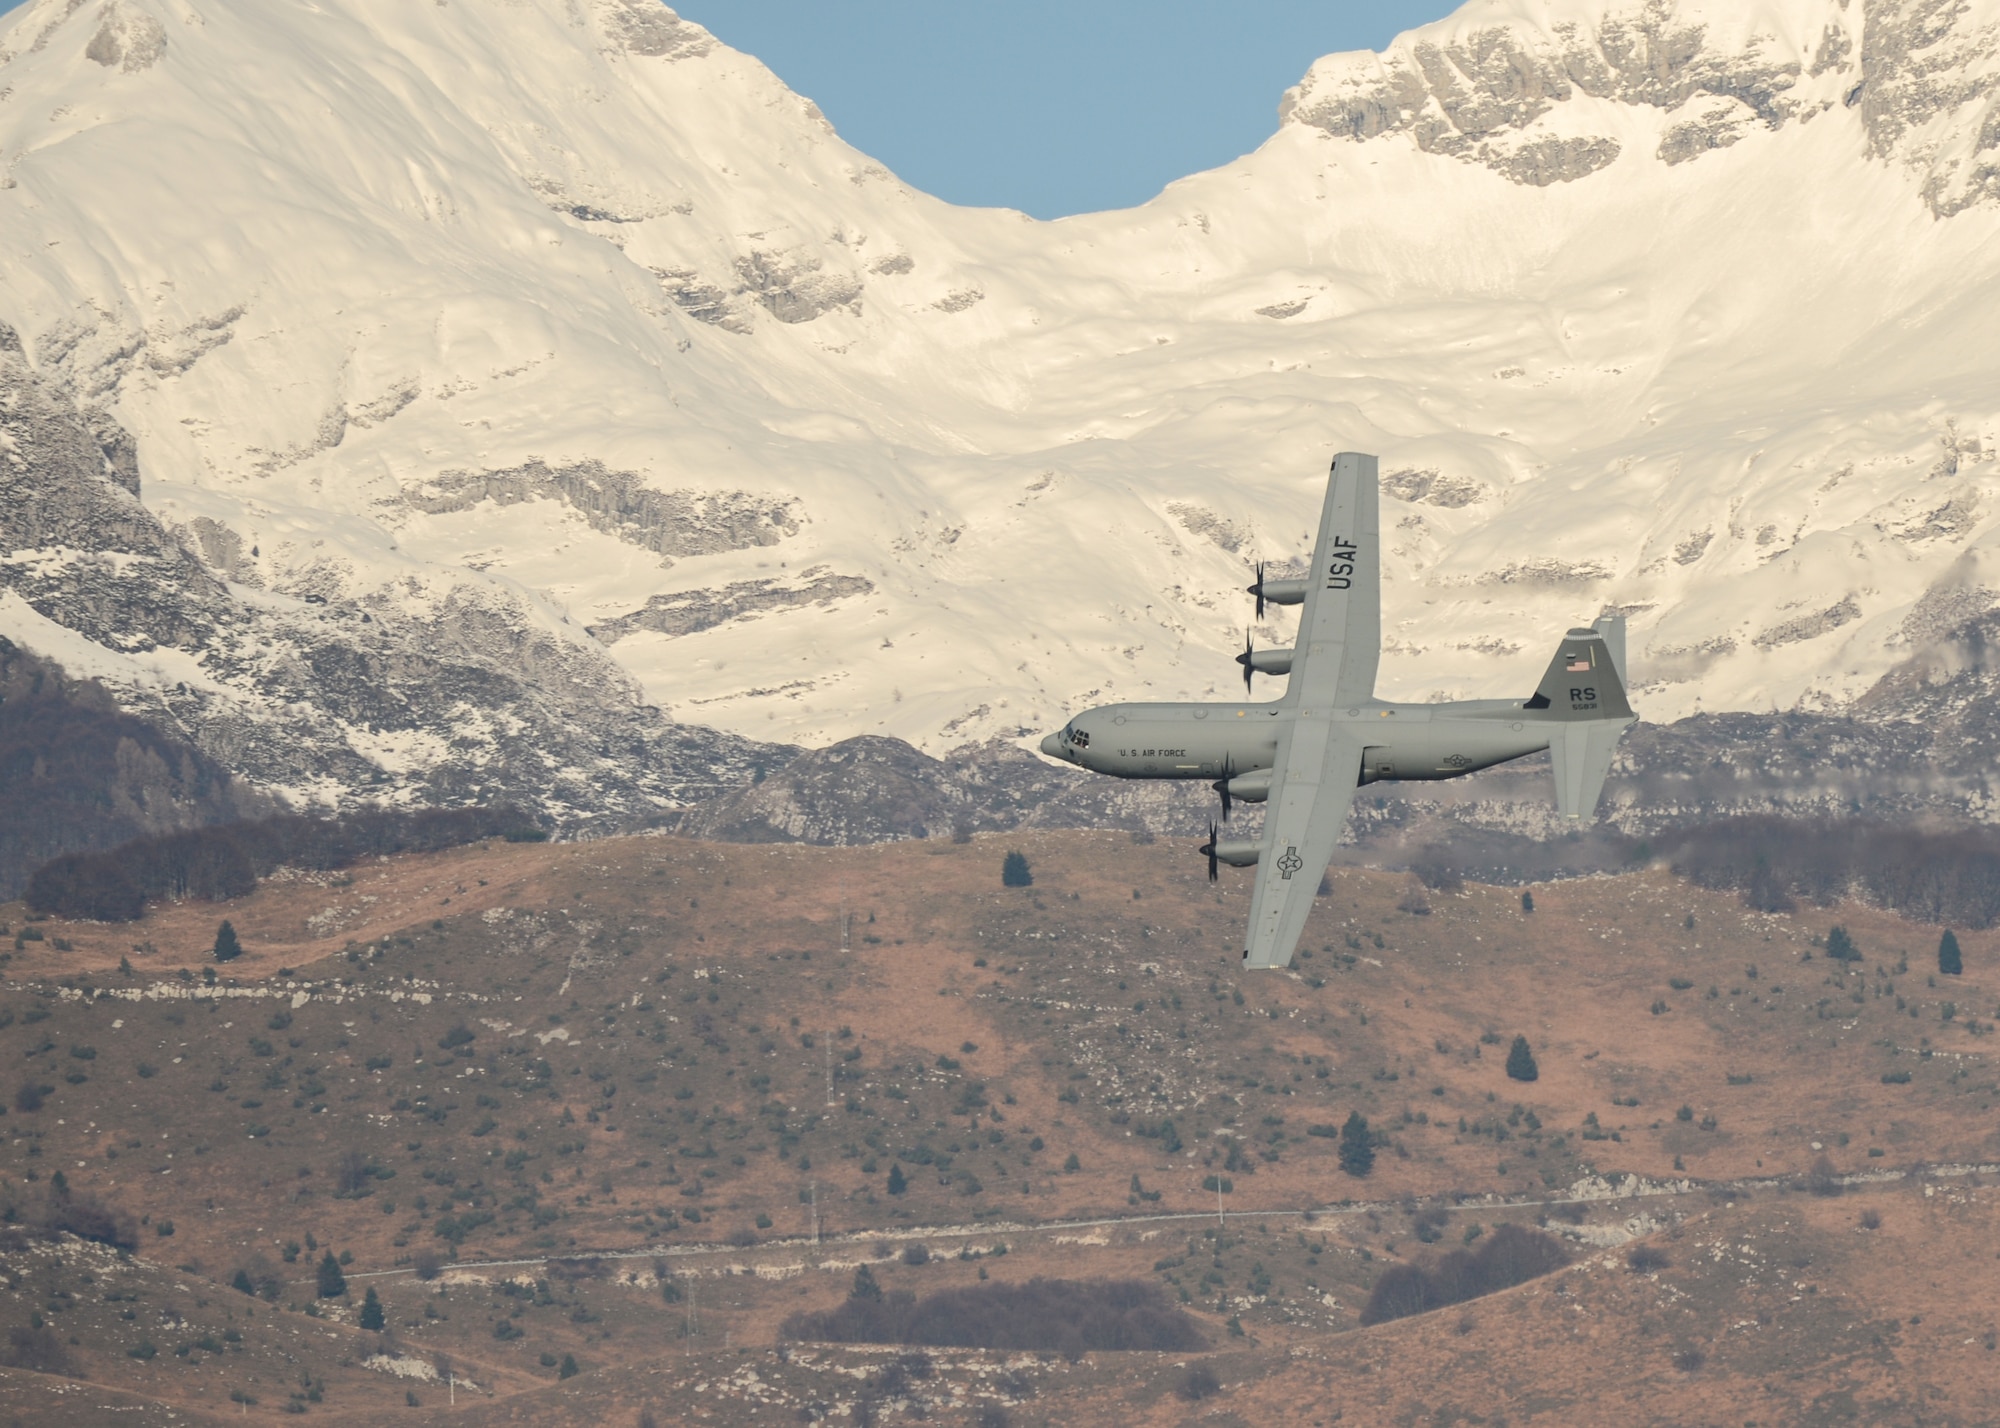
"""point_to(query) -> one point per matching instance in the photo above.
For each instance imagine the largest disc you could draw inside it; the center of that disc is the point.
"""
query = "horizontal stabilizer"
(1581, 751)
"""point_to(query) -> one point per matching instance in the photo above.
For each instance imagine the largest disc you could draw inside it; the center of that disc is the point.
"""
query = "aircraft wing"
(1333, 665)
(1340, 627)
(1313, 782)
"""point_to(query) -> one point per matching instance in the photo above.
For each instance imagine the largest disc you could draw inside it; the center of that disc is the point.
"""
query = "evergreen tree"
(898, 1182)
(332, 1283)
(1950, 962)
(1527, 902)
(227, 948)
(1357, 1146)
(371, 1311)
(242, 1285)
(1521, 1061)
(1014, 871)
(569, 1367)
(865, 1286)
(1840, 946)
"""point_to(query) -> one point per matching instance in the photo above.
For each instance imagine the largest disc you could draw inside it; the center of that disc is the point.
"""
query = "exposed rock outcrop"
(1923, 74)
(465, 695)
(619, 503)
(685, 611)
(1476, 96)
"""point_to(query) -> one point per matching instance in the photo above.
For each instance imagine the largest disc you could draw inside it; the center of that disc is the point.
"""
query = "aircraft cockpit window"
(1079, 738)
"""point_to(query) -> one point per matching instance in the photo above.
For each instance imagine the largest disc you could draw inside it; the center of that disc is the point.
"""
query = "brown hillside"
(518, 1058)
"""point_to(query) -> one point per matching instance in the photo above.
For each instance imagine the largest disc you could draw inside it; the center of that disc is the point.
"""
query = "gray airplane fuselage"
(1205, 741)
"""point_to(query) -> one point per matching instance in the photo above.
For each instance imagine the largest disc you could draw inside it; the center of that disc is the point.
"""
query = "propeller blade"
(1209, 849)
(1223, 787)
(1258, 589)
(1244, 660)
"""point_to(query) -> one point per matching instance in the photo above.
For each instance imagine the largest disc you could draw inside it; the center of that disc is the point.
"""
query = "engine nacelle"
(1268, 661)
(1285, 592)
(1238, 852)
(1252, 787)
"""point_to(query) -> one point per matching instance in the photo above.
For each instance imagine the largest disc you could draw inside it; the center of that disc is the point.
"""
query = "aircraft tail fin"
(1583, 696)
(1585, 680)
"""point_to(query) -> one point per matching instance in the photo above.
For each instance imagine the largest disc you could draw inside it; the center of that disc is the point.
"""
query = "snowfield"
(563, 311)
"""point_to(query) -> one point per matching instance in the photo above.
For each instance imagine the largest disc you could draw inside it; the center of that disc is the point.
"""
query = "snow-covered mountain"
(569, 349)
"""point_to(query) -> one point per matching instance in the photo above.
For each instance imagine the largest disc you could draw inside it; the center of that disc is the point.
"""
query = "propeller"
(1222, 786)
(1258, 589)
(1248, 648)
(1209, 849)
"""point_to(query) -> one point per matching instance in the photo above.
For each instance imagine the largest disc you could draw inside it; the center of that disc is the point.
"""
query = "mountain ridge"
(573, 344)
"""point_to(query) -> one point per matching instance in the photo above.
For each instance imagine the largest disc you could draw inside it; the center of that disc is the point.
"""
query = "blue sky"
(1051, 106)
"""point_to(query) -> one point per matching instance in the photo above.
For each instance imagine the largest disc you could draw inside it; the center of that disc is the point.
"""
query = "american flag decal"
(1579, 663)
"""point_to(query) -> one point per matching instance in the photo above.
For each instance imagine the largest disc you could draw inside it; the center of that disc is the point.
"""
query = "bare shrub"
(1198, 1383)
(80, 1213)
(916, 1252)
(1646, 1259)
(258, 1277)
(428, 1263)
(1822, 1178)
(226, 860)
(1510, 1255)
(1402, 1290)
(1689, 1360)
(1066, 1316)
(1437, 870)
(1936, 877)
(36, 1349)
(352, 1174)
(1870, 1220)
(892, 1380)
(1015, 1384)
(575, 1269)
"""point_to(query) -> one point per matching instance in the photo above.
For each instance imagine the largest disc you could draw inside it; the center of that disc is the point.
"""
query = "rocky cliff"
(449, 694)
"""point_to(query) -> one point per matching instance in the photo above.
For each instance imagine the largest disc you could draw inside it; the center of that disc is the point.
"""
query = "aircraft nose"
(1052, 746)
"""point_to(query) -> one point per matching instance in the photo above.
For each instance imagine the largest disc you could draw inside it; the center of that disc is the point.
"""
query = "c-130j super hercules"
(1328, 734)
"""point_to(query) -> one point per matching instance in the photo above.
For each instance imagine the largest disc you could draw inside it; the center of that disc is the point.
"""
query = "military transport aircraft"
(1328, 734)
